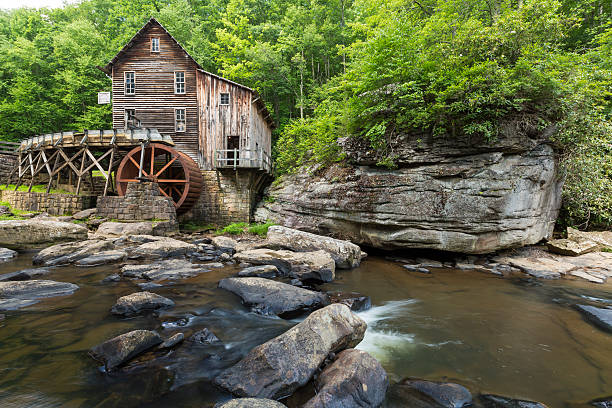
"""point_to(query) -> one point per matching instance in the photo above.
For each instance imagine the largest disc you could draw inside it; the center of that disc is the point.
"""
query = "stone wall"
(7, 163)
(142, 201)
(227, 196)
(54, 204)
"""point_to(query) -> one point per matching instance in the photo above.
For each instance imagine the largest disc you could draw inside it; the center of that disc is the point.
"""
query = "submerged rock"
(121, 349)
(28, 233)
(345, 254)
(103, 258)
(356, 301)
(140, 302)
(428, 394)
(251, 403)
(262, 271)
(601, 317)
(266, 296)
(164, 270)
(280, 366)
(24, 274)
(7, 254)
(63, 254)
(172, 341)
(204, 336)
(354, 379)
(497, 401)
(317, 265)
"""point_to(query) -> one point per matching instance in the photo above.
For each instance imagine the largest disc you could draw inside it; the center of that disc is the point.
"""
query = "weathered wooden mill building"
(204, 139)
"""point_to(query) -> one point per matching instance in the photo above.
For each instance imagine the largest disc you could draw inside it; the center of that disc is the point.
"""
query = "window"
(224, 99)
(131, 121)
(179, 120)
(179, 82)
(130, 83)
(155, 44)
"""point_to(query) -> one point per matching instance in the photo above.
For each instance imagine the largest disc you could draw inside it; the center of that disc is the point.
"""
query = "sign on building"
(104, 98)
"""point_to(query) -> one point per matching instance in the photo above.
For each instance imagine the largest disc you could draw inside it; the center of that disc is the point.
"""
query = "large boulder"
(17, 294)
(28, 233)
(316, 265)
(455, 193)
(354, 379)
(118, 229)
(280, 366)
(571, 248)
(163, 248)
(121, 349)
(67, 253)
(103, 258)
(168, 269)
(346, 254)
(251, 403)
(140, 302)
(267, 297)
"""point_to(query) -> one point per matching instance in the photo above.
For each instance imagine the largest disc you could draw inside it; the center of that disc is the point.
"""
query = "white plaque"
(103, 98)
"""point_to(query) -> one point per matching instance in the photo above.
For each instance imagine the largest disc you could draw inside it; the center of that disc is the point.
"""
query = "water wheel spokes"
(177, 175)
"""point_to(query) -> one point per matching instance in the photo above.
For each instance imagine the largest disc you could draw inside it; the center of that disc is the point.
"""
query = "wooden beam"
(110, 167)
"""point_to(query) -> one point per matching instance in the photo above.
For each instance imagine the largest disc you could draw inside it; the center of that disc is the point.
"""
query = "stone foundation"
(54, 204)
(7, 163)
(227, 196)
(142, 201)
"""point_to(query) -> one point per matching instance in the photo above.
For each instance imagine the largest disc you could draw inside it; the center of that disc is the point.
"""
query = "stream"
(514, 336)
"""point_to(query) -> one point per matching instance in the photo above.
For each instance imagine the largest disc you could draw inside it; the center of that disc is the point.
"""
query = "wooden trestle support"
(132, 155)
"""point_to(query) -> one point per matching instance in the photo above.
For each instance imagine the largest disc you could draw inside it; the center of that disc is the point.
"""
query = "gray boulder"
(269, 297)
(225, 244)
(103, 258)
(17, 294)
(571, 248)
(354, 379)
(163, 248)
(172, 341)
(28, 233)
(168, 269)
(498, 401)
(81, 215)
(317, 265)
(280, 366)
(345, 254)
(599, 316)
(24, 274)
(63, 254)
(251, 403)
(7, 254)
(140, 302)
(117, 229)
(262, 271)
(121, 349)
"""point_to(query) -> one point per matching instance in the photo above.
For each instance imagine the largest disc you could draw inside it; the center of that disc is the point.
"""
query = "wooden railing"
(244, 158)
(8, 147)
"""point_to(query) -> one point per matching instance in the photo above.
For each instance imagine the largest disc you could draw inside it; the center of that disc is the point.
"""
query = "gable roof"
(108, 68)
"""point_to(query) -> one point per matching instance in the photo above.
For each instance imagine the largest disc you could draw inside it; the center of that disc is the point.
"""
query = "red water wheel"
(178, 175)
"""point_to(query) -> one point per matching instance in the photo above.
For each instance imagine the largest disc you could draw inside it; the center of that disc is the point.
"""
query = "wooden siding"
(154, 101)
(219, 121)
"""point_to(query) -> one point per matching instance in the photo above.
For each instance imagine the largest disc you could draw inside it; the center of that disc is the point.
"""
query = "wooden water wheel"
(178, 175)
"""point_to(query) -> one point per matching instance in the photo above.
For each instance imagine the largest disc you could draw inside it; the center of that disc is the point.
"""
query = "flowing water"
(514, 337)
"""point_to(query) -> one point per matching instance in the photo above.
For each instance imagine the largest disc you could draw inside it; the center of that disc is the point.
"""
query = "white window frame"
(176, 120)
(221, 99)
(153, 41)
(125, 115)
(176, 83)
(125, 88)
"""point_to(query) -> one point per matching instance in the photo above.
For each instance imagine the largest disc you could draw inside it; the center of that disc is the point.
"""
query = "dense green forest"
(329, 69)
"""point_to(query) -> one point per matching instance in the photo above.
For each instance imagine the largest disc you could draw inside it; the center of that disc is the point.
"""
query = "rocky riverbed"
(193, 320)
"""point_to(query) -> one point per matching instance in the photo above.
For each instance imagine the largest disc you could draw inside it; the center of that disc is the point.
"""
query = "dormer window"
(155, 44)
(130, 83)
(179, 82)
(224, 99)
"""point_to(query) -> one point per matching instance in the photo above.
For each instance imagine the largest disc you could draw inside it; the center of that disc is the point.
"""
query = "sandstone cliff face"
(447, 194)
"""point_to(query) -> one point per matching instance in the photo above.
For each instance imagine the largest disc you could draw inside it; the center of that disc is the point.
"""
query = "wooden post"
(108, 175)
(78, 189)
(52, 173)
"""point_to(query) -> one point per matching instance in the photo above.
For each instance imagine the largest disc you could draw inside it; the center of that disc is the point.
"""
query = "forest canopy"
(337, 68)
